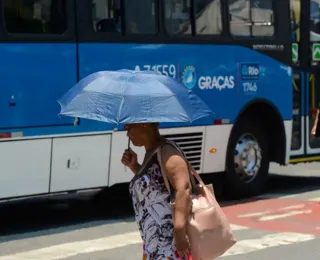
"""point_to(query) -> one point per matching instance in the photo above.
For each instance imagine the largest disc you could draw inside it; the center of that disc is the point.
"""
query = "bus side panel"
(226, 77)
(32, 77)
(25, 167)
(80, 162)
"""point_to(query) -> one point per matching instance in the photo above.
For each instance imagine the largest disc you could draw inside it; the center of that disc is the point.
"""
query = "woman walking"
(164, 237)
(126, 96)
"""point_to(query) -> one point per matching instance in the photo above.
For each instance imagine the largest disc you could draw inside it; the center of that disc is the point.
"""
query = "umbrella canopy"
(125, 96)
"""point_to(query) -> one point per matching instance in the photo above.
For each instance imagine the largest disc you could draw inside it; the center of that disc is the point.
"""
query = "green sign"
(316, 52)
(295, 52)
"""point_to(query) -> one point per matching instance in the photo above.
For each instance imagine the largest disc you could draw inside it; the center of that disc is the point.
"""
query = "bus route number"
(167, 70)
(250, 87)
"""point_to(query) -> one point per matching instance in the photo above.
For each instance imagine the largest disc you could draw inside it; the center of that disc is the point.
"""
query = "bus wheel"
(247, 161)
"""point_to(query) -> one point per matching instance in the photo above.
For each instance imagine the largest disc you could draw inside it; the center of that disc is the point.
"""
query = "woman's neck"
(154, 143)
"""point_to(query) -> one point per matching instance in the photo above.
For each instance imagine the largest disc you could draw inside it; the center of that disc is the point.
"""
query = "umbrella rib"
(119, 112)
(121, 104)
(122, 100)
(130, 95)
(183, 109)
(140, 95)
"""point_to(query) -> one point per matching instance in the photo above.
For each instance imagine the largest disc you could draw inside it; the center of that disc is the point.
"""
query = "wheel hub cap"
(247, 158)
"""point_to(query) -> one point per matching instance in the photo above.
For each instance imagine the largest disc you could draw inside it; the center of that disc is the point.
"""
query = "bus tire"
(247, 161)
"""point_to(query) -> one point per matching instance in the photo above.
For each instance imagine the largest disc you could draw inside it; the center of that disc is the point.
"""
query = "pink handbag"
(208, 229)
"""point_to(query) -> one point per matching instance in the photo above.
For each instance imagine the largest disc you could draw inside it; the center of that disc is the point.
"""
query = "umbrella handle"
(125, 167)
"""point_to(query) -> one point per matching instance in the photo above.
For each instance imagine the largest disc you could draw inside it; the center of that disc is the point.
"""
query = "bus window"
(208, 17)
(140, 16)
(252, 18)
(177, 17)
(35, 16)
(239, 17)
(106, 16)
(315, 20)
(262, 17)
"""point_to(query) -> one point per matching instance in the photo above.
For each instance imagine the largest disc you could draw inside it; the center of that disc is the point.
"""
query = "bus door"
(305, 20)
(313, 77)
(298, 81)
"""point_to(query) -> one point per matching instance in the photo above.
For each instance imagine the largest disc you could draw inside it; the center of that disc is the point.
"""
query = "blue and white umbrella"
(125, 96)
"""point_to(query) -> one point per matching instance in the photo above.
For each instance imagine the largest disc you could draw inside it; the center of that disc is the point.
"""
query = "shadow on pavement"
(37, 217)
(292, 184)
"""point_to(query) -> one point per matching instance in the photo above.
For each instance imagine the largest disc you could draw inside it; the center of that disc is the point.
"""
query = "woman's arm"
(136, 168)
(314, 128)
(317, 118)
(176, 169)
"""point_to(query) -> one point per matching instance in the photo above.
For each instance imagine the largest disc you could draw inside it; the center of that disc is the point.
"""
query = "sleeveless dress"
(151, 204)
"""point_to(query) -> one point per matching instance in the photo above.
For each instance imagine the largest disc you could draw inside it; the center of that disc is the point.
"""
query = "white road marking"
(255, 214)
(267, 215)
(107, 243)
(276, 196)
(314, 199)
(279, 239)
(284, 215)
(237, 227)
(75, 248)
(298, 206)
(287, 196)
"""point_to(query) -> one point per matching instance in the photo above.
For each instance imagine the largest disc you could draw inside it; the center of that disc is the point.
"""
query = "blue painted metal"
(32, 77)
(226, 77)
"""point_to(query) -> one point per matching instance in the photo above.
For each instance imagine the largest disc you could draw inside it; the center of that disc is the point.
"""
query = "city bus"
(235, 54)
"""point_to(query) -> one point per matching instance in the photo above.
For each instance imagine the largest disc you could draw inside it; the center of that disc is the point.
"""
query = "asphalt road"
(283, 223)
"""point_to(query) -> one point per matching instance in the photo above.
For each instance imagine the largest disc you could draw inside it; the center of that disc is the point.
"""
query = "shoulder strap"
(192, 172)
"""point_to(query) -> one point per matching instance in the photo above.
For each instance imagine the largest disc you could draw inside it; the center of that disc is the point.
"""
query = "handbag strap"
(192, 172)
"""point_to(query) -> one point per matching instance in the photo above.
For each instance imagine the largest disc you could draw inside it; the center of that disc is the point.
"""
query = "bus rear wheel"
(247, 161)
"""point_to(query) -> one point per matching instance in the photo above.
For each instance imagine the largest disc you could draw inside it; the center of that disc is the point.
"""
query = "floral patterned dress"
(151, 203)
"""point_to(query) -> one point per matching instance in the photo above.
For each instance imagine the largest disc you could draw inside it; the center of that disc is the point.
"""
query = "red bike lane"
(277, 215)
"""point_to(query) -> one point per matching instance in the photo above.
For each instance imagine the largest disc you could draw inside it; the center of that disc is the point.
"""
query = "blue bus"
(235, 54)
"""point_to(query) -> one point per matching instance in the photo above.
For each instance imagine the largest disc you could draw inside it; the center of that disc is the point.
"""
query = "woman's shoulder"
(170, 144)
(169, 149)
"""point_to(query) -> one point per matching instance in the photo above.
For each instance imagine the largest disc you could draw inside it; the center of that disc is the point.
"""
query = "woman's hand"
(130, 159)
(182, 243)
(313, 130)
